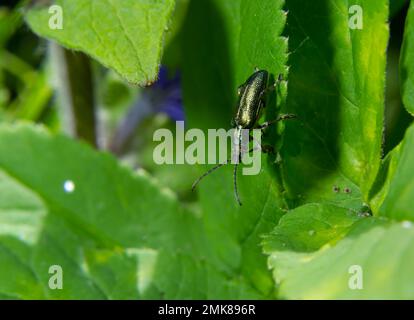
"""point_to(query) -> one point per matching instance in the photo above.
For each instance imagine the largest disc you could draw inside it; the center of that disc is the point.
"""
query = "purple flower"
(169, 88)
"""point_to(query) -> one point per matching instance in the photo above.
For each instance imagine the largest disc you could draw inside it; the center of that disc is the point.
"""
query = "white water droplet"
(407, 224)
(311, 232)
(68, 186)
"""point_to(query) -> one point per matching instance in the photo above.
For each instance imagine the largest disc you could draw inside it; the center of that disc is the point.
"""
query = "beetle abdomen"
(250, 100)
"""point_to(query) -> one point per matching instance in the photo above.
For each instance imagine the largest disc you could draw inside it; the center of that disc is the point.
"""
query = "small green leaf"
(382, 253)
(309, 227)
(407, 62)
(381, 187)
(398, 201)
(303, 231)
(124, 35)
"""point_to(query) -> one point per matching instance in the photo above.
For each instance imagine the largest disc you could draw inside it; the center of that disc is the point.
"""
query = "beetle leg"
(274, 85)
(265, 148)
(271, 88)
(262, 104)
(262, 98)
(266, 91)
(280, 118)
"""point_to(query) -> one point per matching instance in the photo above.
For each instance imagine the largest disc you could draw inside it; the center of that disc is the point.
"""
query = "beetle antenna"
(206, 174)
(236, 193)
(239, 141)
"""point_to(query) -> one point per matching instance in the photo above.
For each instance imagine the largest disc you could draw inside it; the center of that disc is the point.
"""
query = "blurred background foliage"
(123, 117)
(41, 82)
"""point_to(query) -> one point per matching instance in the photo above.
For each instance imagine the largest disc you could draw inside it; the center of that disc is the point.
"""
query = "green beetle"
(252, 98)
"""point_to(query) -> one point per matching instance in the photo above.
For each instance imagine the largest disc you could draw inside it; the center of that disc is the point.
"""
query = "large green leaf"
(21, 214)
(119, 234)
(332, 154)
(31, 244)
(384, 252)
(223, 41)
(114, 233)
(124, 35)
(393, 191)
(336, 85)
(407, 62)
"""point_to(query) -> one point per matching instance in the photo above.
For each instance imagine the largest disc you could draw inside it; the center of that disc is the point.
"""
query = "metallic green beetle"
(252, 99)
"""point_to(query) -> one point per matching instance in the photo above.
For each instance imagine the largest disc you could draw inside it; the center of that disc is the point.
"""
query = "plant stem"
(74, 83)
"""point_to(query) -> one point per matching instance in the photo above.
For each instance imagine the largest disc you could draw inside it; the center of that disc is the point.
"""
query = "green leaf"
(392, 190)
(382, 183)
(101, 232)
(10, 20)
(396, 6)
(309, 227)
(124, 35)
(407, 62)
(383, 252)
(21, 214)
(303, 231)
(116, 234)
(223, 42)
(336, 87)
(245, 35)
(398, 201)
